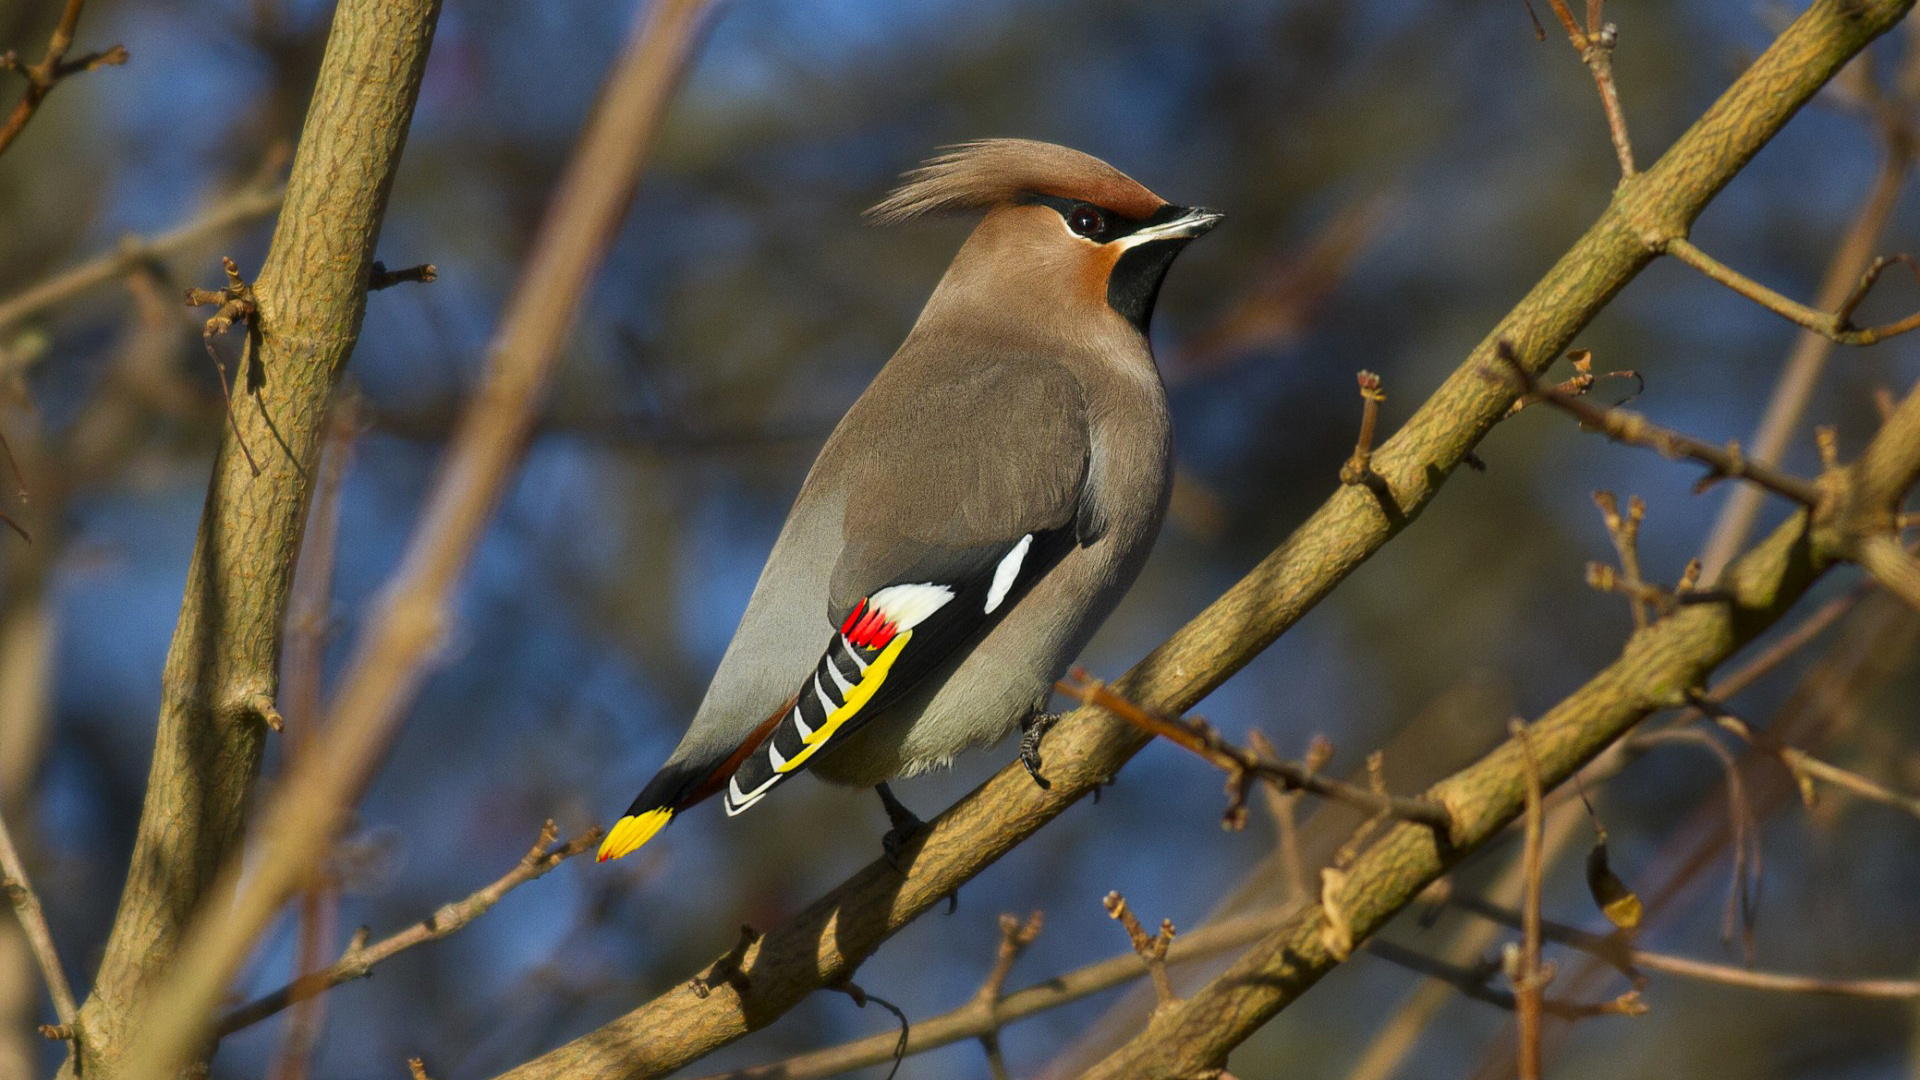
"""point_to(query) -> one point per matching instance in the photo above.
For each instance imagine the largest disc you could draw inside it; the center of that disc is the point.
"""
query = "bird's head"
(1066, 238)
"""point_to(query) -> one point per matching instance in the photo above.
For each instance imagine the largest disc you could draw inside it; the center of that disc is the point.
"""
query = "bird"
(976, 515)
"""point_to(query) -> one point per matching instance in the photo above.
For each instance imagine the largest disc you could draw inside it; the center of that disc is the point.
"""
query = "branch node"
(1359, 467)
(1836, 326)
(1627, 427)
(1015, 936)
(261, 706)
(1243, 766)
(1152, 949)
(379, 277)
(232, 304)
(1827, 441)
(1358, 470)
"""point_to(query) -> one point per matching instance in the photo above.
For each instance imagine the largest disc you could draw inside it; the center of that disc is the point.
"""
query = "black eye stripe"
(1113, 225)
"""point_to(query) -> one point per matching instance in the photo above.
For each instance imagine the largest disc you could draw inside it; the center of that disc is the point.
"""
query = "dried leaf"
(1620, 904)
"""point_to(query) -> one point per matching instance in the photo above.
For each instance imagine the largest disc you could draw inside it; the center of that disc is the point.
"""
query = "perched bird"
(977, 514)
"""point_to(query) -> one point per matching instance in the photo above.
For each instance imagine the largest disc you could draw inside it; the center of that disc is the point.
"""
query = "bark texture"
(222, 668)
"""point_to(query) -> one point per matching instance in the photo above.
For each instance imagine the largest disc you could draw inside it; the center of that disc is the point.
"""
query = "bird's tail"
(676, 787)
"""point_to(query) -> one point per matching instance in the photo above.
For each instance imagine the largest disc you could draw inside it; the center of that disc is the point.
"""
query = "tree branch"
(26, 904)
(390, 661)
(1623, 426)
(1595, 45)
(1836, 325)
(975, 1019)
(1243, 766)
(1658, 669)
(823, 944)
(1618, 951)
(1808, 359)
(359, 960)
(53, 66)
(222, 669)
(228, 212)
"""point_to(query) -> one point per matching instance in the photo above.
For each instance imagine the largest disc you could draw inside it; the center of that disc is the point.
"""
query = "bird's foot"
(1032, 730)
(905, 824)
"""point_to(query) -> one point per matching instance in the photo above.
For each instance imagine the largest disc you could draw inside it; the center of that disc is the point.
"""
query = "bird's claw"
(905, 824)
(1032, 730)
(896, 840)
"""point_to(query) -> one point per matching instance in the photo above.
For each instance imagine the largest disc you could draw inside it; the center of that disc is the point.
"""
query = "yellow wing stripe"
(632, 831)
(857, 697)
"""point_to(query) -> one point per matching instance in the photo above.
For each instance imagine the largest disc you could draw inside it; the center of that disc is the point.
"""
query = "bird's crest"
(987, 173)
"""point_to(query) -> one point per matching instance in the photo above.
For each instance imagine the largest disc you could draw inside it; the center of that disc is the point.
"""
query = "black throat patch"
(1135, 282)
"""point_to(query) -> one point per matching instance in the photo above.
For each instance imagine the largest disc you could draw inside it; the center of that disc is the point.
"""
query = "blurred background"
(1396, 175)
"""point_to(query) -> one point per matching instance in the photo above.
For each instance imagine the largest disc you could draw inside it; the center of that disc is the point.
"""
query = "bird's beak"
(1184, 226)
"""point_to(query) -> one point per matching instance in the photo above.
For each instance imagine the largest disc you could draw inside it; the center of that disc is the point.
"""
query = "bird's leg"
(905, 824)
(1032, 730)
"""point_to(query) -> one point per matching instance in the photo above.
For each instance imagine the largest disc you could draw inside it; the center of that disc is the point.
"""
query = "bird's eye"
(1087, 221)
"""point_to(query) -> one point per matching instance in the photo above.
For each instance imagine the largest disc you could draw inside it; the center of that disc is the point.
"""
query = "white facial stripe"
(1166, 230)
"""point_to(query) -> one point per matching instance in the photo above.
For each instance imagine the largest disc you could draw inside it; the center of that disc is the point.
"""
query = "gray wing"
(966, 467)
(959, 494)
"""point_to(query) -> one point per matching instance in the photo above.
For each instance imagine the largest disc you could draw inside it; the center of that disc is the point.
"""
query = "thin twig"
(1836, 325)
(1595, 45)
(1359, 467)
(1793, 390)
(26, 904)
(233, 304)
(227, 213)
(1358, 470)
(1524, 972)
(1616, 950)
(1240, 764)
(1623, 426)
(1808, 770)
(359, 960)
(53, 66)
(1742, 902)
(1152, 948)
(1582, 381)
(1281, 806)
(973, 1020)
(306, 643)
(1476, 983)
(1015, 936)
(379, 277)
(1624, 531)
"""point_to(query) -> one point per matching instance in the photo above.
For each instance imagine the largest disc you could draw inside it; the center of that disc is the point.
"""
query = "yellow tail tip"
(632, 831)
